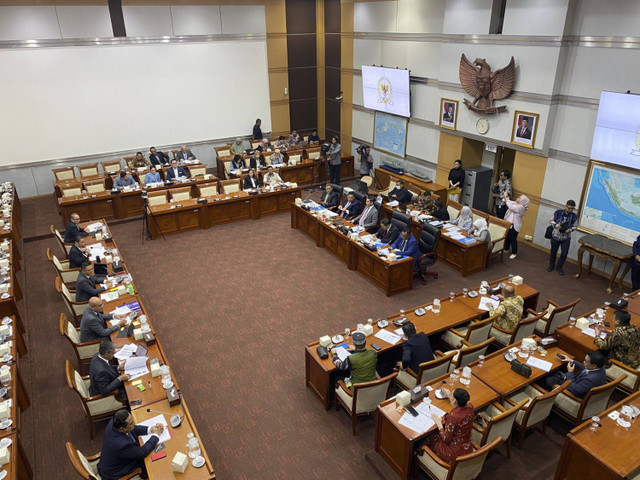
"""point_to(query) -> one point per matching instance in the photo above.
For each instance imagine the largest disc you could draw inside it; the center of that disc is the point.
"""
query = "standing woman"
(515, 212)
(453, 437)
(456, 179)
(333, 155)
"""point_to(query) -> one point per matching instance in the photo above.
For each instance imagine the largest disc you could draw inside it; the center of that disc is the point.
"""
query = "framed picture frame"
(390, 134)
(449, 113)
(525, 126)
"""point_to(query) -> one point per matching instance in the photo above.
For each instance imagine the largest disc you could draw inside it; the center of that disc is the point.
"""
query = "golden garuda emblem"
(484, 86)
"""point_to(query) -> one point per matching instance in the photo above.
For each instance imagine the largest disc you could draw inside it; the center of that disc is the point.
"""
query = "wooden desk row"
(392, 277)
(154, 395)
(171, 218)
(384, 178)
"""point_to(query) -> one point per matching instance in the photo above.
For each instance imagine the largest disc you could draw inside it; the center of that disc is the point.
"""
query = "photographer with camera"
(564, 222)
(366, 160)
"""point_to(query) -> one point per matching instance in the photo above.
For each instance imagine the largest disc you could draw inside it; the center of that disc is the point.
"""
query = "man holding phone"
(583, 376)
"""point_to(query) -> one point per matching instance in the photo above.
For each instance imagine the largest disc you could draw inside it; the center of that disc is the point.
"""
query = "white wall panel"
(147, 21)
(362, 126)
(28, 23)
(420, 16)
(542, 17)
(394, 54)
(600, 18)
(243, 19)
(367, 52)
(196, 19)
(358, 98)
(563, 180)
(425, 102)
(424, 59)
(375, 16)
(84, 21)
(573, 129)
(422, 142)
(467, 16)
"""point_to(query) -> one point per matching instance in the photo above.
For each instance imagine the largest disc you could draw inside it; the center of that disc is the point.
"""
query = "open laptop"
(141, 351)
(100, 268)
(362, 187)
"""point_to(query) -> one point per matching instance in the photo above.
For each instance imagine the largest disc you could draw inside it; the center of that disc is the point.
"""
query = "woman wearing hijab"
(238, 147)
(480, 231)
(515, 212)
(465, 219)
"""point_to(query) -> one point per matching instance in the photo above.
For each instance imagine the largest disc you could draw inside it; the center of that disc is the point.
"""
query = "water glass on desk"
(465, 291)
(347, 331)
(481, 360)
(435, 308)
(595, 422)
(572, 322)
(452, 296)
(510, 278)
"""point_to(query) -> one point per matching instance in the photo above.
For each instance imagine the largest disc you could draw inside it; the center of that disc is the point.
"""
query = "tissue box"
(148, 338)
(98, 237)
(528, 342)
(517, 280)
(155, 369)
(137, 334)
(5, 247)
(5, 411)
(4, 263)
(4, 330)
(4, 288)
(5, 375)
(179, 463)
(121, 290)
(368, 330)
(403, 398)
(4, 349)
(4, 456)
(582, 323)
(325, 341)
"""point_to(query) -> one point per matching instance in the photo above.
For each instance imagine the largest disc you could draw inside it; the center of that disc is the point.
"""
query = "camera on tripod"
(324, 149)
(361, 148)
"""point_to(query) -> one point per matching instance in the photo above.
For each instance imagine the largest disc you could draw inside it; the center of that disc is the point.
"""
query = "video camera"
(324, 149)
(361, 149)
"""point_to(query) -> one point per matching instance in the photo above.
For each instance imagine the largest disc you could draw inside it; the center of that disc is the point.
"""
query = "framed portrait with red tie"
(525, 125)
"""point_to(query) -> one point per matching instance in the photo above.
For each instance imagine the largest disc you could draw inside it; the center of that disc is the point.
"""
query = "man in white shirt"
(271, 177)
(175, 171)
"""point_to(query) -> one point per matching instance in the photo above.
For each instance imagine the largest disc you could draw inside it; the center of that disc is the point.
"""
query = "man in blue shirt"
(407, 245)
(564, 222)
(124, 180)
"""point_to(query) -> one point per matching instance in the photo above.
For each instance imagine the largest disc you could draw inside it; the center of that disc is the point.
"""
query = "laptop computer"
(100, 268)
(362, 187)
(141, 351)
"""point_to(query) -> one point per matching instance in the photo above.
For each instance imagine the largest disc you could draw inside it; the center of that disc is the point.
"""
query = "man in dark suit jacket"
(369, 216)
(441, 212)
(185, 154)
(257, 131)
(523, 131)
(388, 231)
(106, 377)
(176, 171)
(251, 181)
(93, 325)
(73, 230)
(158, 159)
(350, 207)
(121, 452)
(77, 253)
(583, 376)
(416, 349)
(86, 283)
(406, 244)
(400, 193)
(329, 198)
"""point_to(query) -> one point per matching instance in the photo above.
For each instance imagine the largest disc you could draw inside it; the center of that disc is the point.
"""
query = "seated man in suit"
(271, 177)
(157, 158)
(73, 229)
(369, 216)
(361, 364)
(388, 231)
(78, 253)
(237, 163)
(123, 180)
(175, 172)
(440, 212)
(277, 158)
(313, 139)
(251, 181)
(139, 161)
(583, 376)
(400, 193)
(350, 207)
(415, 350)
(329, 198)
(406, 244)
(185, 154)
(93, 325)
(257, 160)
(509, 310)
(104, 375)
(86, 283)
(121, 451)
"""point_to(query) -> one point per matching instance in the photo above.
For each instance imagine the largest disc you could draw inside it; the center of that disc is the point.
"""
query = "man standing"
(335, 160)
(257, 131)
(86, 283)
(73, 229)
(158, 159)
(388, 231)
(78, 253)
(106, 377)
(366, 162)
(121, 451)
(623, 344)
(415, 350)
(350, 207)
(175, 172)
(361, 364)
(509, 310)
(407, 245)
(93, 325)
(564, 222)
(369, 216)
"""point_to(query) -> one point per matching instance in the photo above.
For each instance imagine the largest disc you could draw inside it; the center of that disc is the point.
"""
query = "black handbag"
(548, 232)
(520, 368)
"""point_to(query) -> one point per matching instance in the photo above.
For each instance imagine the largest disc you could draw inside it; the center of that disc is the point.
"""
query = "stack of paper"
(423, 422)
(342, 353)
(109, 296)
(388, 337)
(540, 364)
(136, 367)
(486, 302)
(164, 436)
(126, 351)
(592, 333)
(121, 310)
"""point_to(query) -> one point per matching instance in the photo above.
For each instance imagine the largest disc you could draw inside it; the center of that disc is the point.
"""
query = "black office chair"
(400, 220)
(337, 188)
(360, 197)
(428, 242)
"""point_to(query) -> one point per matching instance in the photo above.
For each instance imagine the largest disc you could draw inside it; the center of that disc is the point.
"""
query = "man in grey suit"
(185, 154)
(106, 377)
(86, 283)
(93, 325)
(369, 216)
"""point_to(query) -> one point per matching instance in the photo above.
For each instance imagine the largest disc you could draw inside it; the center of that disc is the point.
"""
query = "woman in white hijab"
(480, 231)
(465, 219)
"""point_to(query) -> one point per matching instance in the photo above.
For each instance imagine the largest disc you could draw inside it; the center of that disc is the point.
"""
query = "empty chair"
(75, 308)
(208, 189)
(408, 379)
(181, 194)
(66, 274)
(465, 467)
(295, 158)
(64, 173)
(498, 230)
(111, 166)
(500, 424)
(554, 315)
(400, 220)
(474, 333)
(577, 410)
(524, 329)
(87, 467)
(94, 186)
(414, 189)
(230, 186)
(428, 243)
(58, 236)
(84, 350)
(223, 151)
(96, 408)
(157, 198)
(468, 353)
(70, 189)
(88, 169)
(367, 180)
(364, 399)
(196, 170)
(616, 369)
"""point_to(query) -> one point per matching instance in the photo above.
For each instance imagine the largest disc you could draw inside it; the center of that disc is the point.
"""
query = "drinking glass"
(465, 291)
(626, 295)
(457, 373)
(452, 379)
(511, 278)
(436, 306)
(595, 421)
(481, 360)
(606, 305)
(572, 321)
(452, 296)
(402, 312)
(370, 321)
(347, 331)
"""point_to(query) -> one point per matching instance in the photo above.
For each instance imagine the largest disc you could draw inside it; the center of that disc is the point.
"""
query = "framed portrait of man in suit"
(525, 125)
(448, 113)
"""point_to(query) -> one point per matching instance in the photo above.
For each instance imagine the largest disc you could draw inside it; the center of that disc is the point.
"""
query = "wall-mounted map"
(611, 202)
(390, 134)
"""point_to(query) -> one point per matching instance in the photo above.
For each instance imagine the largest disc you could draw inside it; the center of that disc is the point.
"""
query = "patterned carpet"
(234, 307)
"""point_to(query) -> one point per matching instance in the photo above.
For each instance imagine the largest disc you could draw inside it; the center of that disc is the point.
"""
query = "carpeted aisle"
(234, 307)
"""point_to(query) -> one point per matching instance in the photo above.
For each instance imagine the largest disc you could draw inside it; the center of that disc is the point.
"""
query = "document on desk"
(121, 310)
(423, 422)
(592, 333)
(109, 296)
(126, 351)
(164, 436)
(429, 409)
(540, 364)
(342, 353)
(388, 337)
(114, 322)
(487, 302)
(136, 367)
(94, 226)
